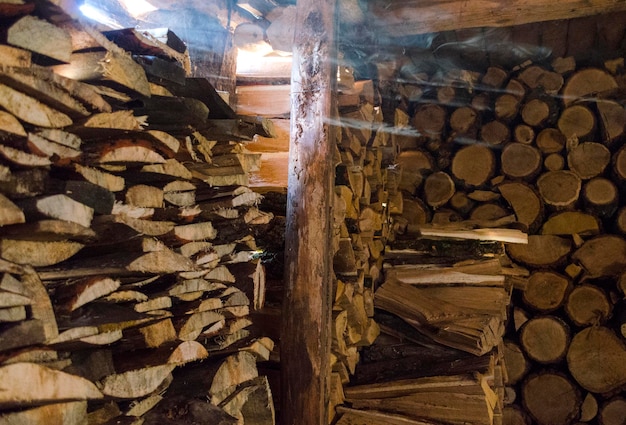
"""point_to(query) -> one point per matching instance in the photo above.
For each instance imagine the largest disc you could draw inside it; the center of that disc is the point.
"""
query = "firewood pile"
(539, 151)
(127, 232)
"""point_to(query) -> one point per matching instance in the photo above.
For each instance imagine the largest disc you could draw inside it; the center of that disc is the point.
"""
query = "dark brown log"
(577, 122)
(551, 399)
(613, 411)
(523, 134)
(592, 256)
(461, 203)
(473, 165)
(506, 107)
(519, 161)
(525, 202)
(430, 120)
(438, 189)
(536, 77)
(595, 359)
(588, 305)
(545, 339)
(588, 159)
(495, 133)
(546, 291)
(554, 162)
(541, 251)
(536, 112)
(464, 122)
(516, 88)
(587, 82)
(414, 165)
(600, 197)
(559, 189)
(620, 221)
(619, 166)
(517, 366)
(494, 77)
(514, 415)
(551, 140)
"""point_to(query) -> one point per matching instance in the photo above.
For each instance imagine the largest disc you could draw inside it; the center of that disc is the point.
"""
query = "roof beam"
(412, 17)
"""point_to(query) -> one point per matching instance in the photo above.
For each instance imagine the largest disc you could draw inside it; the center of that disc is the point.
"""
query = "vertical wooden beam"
(306, 330)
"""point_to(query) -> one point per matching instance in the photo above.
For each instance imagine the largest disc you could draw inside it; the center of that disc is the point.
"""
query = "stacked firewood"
(361, 225)
(127, 234)
(537, 149)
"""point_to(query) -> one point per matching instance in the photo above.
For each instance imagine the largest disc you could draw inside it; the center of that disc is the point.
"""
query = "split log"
(46, 91)
(588, 305)
(10, 125)
(525, 202)
(591, 256)
(571, 223)
(545, 339)
(517, 366)
(57, 413)
(37, 253)
(113, 66)
(31, 110)
(595, 359)
(135, 383)
(612, 120)
(428, 398)
(73, 295)
(546, 291)
(551, 399)
(559, 189)
(9, 212)
(589, 408)
(13, 56)
(588, 159)
(473, 165)
(586, 82)
(520, 161)
(40, 37)
(541, 251)
(32, 384)
(60, 207)
(372, 417)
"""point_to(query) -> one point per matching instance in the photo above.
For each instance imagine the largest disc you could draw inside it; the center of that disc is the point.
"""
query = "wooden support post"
(306, 332)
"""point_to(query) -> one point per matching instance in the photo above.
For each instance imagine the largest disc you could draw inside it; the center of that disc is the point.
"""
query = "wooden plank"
(420, 17)
(306, 337)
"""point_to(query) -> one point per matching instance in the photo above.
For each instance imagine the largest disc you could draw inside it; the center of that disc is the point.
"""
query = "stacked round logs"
(540, 151)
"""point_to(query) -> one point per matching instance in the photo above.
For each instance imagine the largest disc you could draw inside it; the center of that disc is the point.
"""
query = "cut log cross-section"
(473, 165)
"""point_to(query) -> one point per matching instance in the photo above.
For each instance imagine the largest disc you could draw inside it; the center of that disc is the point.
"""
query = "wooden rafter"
(411, 17)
